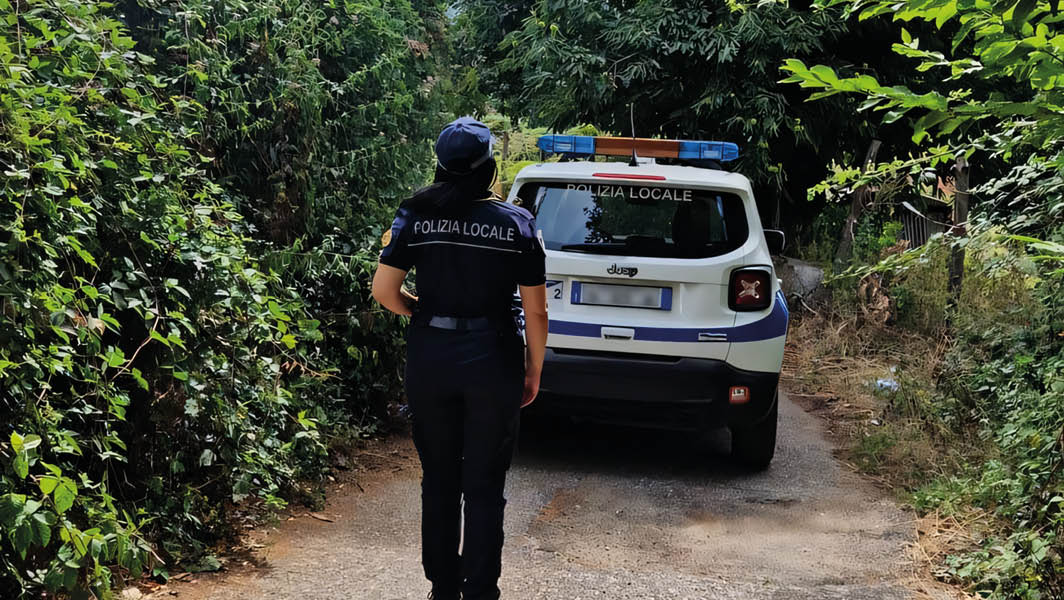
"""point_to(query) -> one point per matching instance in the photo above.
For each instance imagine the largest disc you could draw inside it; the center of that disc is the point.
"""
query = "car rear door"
(639, 269)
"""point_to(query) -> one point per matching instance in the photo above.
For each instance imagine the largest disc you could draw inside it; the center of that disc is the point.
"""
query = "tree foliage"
(686, 69)
(1000, 106)
(999, 95)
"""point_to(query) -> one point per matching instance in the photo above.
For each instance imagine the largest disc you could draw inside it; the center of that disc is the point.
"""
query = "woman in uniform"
(468, 373)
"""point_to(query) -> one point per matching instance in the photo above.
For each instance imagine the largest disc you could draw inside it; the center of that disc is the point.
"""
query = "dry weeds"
(938, 536)
(832, 362)
(831, 365)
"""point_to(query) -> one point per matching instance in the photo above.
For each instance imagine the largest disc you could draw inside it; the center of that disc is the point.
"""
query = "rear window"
(635, 220)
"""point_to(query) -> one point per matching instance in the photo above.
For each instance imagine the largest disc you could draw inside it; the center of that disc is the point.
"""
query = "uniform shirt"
(468, 264)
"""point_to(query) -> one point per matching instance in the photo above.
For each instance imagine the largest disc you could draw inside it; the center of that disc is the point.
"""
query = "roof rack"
(574, 146)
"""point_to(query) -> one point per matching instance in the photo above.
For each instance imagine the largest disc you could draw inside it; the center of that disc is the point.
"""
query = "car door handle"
(711, 336)
(617, 333)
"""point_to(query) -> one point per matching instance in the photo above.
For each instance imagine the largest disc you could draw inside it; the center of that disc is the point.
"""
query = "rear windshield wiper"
(594, 247)
(646, 243)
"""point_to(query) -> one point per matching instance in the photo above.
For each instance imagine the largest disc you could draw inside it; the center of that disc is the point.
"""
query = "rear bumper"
(656, 391)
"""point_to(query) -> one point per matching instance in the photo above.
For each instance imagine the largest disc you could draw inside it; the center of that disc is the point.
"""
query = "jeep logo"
(616, 270)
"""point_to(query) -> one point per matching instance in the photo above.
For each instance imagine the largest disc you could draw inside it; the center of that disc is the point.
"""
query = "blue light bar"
(722, 151)
(586, 145)
(583, 145)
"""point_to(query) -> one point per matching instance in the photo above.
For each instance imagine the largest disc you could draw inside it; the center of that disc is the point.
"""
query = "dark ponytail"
(451, 193)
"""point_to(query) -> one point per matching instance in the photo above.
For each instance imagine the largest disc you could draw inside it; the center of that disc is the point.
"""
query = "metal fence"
(916, 227)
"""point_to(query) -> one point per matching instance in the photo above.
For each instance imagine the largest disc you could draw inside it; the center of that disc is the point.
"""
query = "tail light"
(749, 290)
(738, 394)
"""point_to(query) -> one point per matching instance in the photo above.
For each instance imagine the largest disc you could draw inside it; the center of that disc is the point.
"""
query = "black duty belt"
(460, 323)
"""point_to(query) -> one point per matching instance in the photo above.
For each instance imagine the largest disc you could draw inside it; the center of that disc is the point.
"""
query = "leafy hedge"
(1011, 381)
(191, 196)
(317, 117)
(990, 95)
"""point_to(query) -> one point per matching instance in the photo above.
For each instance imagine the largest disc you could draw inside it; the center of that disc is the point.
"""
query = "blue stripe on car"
(772, 326)
(666, 298)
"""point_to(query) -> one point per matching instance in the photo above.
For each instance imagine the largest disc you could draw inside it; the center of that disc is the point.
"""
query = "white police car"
(664, 306)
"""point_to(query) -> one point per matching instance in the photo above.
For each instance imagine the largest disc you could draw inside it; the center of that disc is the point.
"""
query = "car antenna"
(631, 115)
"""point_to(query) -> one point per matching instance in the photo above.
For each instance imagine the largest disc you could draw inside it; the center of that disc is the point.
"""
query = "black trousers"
(464, 390)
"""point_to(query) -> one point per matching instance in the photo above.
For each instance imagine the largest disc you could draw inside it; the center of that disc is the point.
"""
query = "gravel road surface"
(600, 512)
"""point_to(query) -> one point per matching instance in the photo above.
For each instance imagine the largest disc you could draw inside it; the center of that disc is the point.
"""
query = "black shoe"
(434, 595)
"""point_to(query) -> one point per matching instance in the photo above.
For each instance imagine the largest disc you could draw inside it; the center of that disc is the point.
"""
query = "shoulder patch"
(386, 238)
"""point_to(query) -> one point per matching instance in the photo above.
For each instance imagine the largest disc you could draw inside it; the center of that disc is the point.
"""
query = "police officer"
(468, 373)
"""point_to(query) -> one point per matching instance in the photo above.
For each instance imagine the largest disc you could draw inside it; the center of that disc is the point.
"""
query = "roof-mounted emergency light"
(586, 145)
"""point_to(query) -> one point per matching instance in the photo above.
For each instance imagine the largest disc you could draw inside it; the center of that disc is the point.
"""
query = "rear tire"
(755, 446)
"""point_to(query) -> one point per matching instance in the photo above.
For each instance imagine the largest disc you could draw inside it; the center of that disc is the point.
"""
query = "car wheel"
(755, 446)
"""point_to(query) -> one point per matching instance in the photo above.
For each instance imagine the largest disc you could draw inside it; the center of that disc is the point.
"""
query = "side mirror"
(776, 241)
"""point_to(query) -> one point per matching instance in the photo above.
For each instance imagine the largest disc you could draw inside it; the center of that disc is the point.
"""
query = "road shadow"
(552, 443)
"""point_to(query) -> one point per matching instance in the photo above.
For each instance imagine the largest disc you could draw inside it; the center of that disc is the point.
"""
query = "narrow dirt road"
(605, 512)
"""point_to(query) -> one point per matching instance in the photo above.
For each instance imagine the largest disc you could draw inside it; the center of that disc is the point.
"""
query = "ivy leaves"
(156, 341)
(25, 526)
(62, 489)
(33, 521)
(114, 245)
(23, 448)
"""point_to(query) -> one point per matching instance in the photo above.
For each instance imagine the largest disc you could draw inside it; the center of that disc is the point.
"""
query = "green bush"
(1009, 380)
(1002, 383)
(921, 293)
(819, 242)
(319, 117)
(192, 198)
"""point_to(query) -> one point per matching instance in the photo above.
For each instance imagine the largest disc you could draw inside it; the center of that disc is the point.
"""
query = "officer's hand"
(410, 301)
(531, 389)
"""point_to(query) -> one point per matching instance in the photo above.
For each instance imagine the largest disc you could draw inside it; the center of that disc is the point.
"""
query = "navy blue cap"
(463, 145)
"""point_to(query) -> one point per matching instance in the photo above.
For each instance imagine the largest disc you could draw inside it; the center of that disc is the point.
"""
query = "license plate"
(633, 296)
